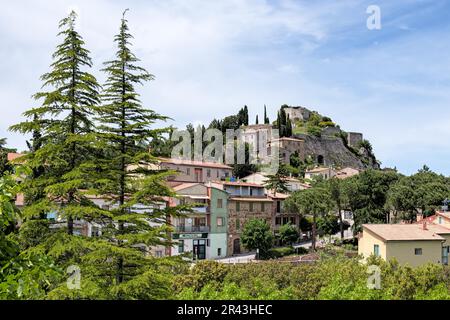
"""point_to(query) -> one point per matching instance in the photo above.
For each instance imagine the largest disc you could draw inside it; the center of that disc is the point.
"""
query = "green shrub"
(276, 253)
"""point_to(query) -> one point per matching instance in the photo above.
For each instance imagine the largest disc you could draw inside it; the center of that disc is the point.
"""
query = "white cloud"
(212, 57)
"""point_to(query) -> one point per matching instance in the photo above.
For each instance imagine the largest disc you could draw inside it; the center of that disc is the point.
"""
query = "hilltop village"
(98, 208)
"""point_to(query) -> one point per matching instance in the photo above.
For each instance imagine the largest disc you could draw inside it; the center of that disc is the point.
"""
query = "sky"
(210, 58)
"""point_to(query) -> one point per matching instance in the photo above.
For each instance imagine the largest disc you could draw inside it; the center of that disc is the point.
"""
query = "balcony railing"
(191, 228)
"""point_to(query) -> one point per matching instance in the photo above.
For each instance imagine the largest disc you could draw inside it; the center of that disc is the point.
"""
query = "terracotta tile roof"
(185, 185)
(194, 163)
(405, 232)
(278, 195)
(12, 156)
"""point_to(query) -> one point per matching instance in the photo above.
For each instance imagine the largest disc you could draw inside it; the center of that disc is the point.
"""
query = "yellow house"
(413, 244)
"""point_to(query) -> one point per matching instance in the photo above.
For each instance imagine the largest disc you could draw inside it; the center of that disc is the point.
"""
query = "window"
(219, 252)
(263, 208)
(238, 224)
(158, 253)
(418, 251)
(208, 173)
(238, 206)
(251, 207)
(278, 221)
(219, 203)
(440, 220)
(188, 171)
(217, 174)
(376, 250)
(219, 221)
(278, 206)
(181, 246)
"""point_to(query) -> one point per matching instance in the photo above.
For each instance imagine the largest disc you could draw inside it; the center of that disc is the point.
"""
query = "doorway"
(236, 246)
(199, 249)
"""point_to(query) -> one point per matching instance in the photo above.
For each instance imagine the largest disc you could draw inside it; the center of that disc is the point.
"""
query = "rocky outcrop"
(331, 151)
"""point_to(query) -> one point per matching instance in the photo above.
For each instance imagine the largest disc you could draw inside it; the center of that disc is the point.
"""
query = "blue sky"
(212, 57)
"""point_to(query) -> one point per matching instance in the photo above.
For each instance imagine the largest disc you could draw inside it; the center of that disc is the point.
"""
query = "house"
(280, 215)
(413, 244)
(246, 201)
(286, 147)
(347, 173)
(440, 217)
(325, 173)
(292, 183)
(202, 232)
(196, 171)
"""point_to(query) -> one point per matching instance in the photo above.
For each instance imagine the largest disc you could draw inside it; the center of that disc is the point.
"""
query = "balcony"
(188, 229)
(201, 209)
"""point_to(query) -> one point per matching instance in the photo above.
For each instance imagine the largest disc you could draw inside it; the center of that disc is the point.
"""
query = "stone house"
(286, 147)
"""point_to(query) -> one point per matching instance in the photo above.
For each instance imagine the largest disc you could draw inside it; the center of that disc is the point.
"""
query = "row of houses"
(221, 208)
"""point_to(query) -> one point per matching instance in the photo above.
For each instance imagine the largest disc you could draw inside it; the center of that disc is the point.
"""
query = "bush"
(276, 253)
(315, 131)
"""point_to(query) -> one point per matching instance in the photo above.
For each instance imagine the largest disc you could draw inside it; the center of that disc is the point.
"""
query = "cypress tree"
(256, 120)
(266, 118)
(245, 115)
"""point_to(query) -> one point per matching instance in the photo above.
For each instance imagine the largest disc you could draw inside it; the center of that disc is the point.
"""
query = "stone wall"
(332, 149)
(354, 138)
(243, 215)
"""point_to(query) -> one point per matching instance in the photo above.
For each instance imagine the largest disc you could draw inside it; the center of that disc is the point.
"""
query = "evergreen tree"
(256, 120)
(288, 127)
(266, 118)
(125, 175)
(61, 129)
(277, 182)
(245, 116)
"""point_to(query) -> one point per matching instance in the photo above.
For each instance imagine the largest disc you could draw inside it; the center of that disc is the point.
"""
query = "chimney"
(424, 224)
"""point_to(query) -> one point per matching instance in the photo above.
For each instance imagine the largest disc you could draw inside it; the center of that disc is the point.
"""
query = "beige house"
(412, 244)
(326, 173)
(347, 173)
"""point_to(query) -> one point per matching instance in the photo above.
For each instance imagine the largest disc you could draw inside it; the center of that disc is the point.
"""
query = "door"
(236, 246)
(199, 249)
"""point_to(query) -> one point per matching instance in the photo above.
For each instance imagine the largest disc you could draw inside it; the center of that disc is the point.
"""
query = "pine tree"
(278, 182)
(125, 173)
(61, 129)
